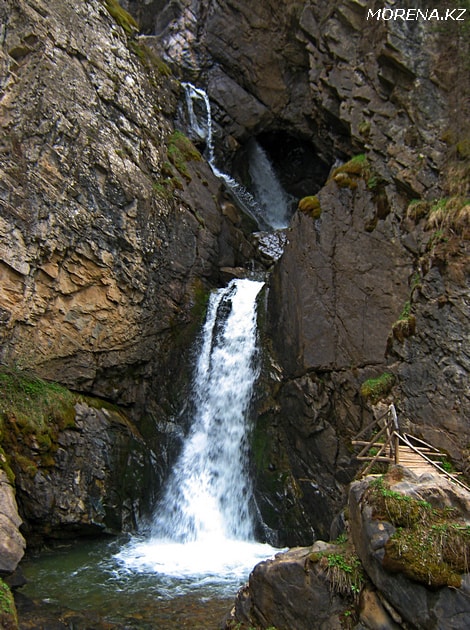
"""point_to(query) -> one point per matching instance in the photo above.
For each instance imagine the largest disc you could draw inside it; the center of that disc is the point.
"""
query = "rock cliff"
(367, 284)
(401, 565)
(111, 231)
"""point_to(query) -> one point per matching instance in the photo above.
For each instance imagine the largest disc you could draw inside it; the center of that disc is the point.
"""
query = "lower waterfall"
(204, 524)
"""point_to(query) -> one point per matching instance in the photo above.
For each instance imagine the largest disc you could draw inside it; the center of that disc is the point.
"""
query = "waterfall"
(267, 189)
(204, 523)
(269, 205)
(209, 492)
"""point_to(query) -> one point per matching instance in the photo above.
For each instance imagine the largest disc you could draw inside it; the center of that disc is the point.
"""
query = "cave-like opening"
(296, 162)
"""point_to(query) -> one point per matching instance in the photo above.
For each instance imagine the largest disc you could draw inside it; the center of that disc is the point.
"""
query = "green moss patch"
(180, 151)
(32, 412)
(122, 17)
(347, 175)
(310, 205)
(430, 545)
(8, 615)
(375, 389)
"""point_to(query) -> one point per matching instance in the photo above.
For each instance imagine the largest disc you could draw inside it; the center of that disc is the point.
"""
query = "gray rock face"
(290, 591)
(433, 365)
(345, 83)
(324, 71)
(12, 543)
(111, 235)
(100, 480)
(295, 589)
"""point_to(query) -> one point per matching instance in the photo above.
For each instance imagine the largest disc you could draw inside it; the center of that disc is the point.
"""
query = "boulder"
(291, 591)
(12, 543)
(96, 480)
(418, 604)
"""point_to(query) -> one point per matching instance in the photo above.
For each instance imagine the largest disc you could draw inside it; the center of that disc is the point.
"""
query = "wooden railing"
(384, 441)
(384, 446)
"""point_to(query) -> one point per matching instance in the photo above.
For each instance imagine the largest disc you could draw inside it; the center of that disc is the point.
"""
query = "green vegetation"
(375, 389)
(181, 151)
(32, 412)
(8, 615)
(342, 567)
(122, 17)
(405, 326)
(149, 59)
(311, 206)
(348, 175)
(430, 545)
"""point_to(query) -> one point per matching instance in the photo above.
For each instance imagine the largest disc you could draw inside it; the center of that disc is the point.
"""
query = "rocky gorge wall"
(324, 75)
(113, 227)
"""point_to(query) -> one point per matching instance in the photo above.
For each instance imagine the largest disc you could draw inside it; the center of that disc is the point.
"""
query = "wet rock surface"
(99, 481)
(12, 543)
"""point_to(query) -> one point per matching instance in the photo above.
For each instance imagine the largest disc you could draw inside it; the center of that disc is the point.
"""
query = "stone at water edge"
(12, 543)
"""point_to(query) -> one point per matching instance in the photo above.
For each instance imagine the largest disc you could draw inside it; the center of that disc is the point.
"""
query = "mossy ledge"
(375, 389)
(122, 17)
(430, 545)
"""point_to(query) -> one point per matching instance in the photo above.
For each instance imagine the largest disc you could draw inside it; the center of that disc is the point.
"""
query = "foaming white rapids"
(217, 560)
(204, 524)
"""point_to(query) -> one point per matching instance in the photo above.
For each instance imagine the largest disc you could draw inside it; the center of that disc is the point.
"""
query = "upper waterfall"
(267, 203)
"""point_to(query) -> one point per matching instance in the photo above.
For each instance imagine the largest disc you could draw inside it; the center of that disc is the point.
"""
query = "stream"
(201, 546)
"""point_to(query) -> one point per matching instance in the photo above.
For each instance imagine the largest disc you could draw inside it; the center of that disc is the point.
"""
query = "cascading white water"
(204, 523)
(266, 187)
(270, 203)
(209, 492)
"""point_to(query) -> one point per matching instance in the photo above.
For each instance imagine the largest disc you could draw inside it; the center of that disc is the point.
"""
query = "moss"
(8, 614)
(149, 59)
(430, 545)
(32, 413)
(346, 181)
(364, 128)
(375, 389)
(5, 464)
(180, 151)
(463, 148)
(348, 174)
(311, 206)
(122, 17)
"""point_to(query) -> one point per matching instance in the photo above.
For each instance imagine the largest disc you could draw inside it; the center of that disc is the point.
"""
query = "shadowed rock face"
(343, 84)
(321, 71)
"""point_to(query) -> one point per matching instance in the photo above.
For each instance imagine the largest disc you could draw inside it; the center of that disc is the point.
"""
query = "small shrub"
(374, 389)
(311, 206)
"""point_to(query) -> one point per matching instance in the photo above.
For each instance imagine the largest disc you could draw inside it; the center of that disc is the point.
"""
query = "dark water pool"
(81, 586)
